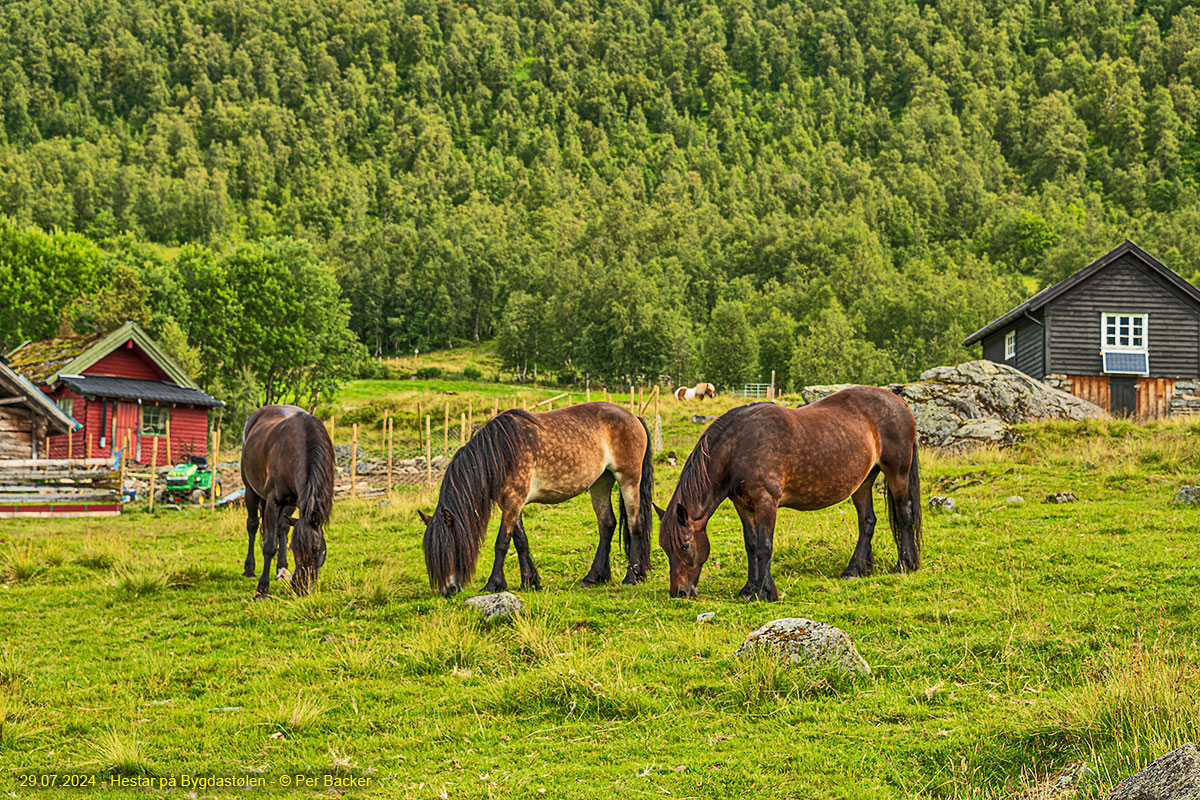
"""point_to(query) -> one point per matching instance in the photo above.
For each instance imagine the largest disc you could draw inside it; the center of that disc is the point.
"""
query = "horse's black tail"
(906, 523)
(643, 525)
(315, 500)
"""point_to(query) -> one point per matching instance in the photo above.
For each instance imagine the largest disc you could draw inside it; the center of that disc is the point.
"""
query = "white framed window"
(1010, 345)
(154, 420)
(1123, 343)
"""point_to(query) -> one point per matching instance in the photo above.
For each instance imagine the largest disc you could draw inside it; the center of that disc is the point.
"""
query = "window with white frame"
(1010, 345)
(154, 420)
(1123, 340)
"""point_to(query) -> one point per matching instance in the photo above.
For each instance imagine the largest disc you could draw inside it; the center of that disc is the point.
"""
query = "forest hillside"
(840, 190)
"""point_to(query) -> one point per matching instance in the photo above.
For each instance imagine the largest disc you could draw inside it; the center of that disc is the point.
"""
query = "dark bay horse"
(287, 460)
(763, 456)
(547, 457)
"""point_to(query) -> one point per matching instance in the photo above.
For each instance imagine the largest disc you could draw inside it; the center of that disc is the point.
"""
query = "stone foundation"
(1186, 399)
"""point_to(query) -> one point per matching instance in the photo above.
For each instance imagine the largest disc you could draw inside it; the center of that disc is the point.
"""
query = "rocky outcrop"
(1175, 776)
(502, 604)
(804, 641)
(1187, 496)
(975, 403)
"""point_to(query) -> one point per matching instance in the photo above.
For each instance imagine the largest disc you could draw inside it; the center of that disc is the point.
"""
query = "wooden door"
(125, 424)
(1154, 398)
(1123, 396)
(1093, 388)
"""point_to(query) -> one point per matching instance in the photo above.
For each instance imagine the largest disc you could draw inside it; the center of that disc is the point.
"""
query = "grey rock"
(1175, 776)
(938, 503)
(805, 641)
(1061, 497)
(965, 406)
(1016, 498)
(812, 394)
(1187, 496)
(502, 604)
(701, 419)
(706, 616)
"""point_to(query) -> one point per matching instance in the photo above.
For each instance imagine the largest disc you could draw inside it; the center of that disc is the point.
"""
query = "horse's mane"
(697, 482)
(314, 499)
(472, 483)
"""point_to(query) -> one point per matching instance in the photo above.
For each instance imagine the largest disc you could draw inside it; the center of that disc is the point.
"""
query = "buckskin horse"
(763, 456)
(548, 457)
(287, 460)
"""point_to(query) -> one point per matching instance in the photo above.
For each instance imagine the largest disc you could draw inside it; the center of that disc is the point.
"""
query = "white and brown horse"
(547, 457)
(701, 390)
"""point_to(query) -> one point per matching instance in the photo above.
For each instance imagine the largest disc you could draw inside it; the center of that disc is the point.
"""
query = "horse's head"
(441, 552)
(710, 390)
(685, 541)
(308, 549)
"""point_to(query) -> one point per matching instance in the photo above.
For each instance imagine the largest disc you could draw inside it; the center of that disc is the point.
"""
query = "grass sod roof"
(37, 361)
(44, 361)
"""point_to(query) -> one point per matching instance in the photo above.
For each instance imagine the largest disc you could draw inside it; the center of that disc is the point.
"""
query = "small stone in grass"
(1187, 496)
(706, 616)
(1061, 497)
(501, 604)
(938, 503)
(804, 641)
(1016, 498)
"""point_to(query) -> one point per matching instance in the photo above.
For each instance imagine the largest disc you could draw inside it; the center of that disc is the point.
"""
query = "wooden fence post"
(391, 426)
(495, 407)
(428, 454)
(462, 430)
(87, 438)
(153, 469)
(420, 441)
(168, 437)
(470, 417)
(124, 454)
(354, 459)
(212, 495)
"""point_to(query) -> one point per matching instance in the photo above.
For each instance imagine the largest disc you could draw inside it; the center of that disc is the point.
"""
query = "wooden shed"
(27, 417)
(123, 389)
(1123, 333)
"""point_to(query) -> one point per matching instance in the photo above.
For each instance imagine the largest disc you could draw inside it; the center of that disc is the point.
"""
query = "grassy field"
(1034, 636)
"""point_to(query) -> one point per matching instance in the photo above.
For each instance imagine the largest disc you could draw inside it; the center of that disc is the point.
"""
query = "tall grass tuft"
(446, 642)
(1142, 702)
(21, 563)
(298, 714)
(764, 680)
(578, 685)
(120, 752)
(14, 729)
(141, 582)
(102, 554)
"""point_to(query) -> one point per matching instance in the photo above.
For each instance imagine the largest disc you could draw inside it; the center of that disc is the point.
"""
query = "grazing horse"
(548, 457)
(287, 460)
(763, 456)
(701, 390)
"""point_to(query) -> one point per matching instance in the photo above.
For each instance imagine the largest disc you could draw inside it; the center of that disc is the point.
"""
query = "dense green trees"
(264, 323)
(898, 171)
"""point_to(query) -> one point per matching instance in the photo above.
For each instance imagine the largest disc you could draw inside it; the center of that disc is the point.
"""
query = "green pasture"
(1034, 636)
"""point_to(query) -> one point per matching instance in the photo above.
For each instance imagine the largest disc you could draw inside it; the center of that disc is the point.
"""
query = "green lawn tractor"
(191, 481)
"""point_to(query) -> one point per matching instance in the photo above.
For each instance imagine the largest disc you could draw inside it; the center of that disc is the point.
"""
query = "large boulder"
(975, 403)
(804, 641)
(1175, 776)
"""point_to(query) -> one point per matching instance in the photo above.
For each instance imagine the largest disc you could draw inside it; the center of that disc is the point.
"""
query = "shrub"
(429, 373)
(472, 372)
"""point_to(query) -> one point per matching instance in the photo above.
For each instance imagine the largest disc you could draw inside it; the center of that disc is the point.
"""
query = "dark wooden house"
(123, 389)
(27, 417)
(1123, 333)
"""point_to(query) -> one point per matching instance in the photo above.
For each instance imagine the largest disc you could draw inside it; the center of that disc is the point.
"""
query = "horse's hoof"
(260, 596)
(534, 585)
(850, 573)
(249, 573)
(282, 574)
(493, 589)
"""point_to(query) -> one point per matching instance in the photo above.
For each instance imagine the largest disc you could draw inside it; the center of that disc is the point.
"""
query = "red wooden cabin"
(124, 389)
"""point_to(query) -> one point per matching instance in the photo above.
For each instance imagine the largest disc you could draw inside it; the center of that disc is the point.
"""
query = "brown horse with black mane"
(763, 456)
(287, 460)
(548, 457)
